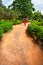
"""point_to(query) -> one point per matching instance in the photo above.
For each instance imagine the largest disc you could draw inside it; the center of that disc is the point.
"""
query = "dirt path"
(18, 49)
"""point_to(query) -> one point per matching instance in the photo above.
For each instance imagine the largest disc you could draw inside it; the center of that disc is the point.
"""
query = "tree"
(24, 7)
(6, 14)
(37, 16)
(1, 5)
(0, 2)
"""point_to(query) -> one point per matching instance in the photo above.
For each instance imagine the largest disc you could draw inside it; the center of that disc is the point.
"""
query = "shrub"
(35, 21)
(0, 35)
(6, 13)
(6, 26)
(37, 16)
(40, 35)
(2, 21)
(29, 21)
(1, 31)
(18, 22)
(40, 23)
(35, 31)
(15, 21)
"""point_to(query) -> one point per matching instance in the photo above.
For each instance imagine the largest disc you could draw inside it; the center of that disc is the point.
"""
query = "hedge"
(15, 21)
(35, 31)
(6, 26)
(1, 31)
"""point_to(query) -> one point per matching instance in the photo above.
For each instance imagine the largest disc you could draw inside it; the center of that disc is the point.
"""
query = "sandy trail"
(18, 49)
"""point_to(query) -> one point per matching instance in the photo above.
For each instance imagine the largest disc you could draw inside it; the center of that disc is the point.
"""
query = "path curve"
(18, 49)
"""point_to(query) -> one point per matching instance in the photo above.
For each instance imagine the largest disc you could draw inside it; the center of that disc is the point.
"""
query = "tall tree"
(25, 7)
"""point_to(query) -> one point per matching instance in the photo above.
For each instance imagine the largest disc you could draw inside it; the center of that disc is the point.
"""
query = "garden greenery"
(5, 27)
(35, 30)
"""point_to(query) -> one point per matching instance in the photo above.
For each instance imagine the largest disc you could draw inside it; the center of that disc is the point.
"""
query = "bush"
(6, 14)
(15, 21)
(0, 35)
(2, 21)
(35, 31)
(35, 21)
(40, 23)
(6, 26)
(18, 22)
(29, 21)
(1, 31)
(40, 35)
(37, 16)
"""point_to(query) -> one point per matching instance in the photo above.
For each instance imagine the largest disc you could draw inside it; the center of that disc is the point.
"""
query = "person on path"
(25, 21)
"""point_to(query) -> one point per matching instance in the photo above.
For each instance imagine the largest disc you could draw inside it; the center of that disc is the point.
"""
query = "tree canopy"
(24, 7)
(0, 2)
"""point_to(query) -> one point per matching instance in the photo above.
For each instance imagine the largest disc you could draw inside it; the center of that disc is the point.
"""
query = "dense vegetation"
(35, 30)
(22, 7)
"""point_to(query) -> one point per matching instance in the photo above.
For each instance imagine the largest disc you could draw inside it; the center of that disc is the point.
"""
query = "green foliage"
(29, 21)
(41, 19)
(0, 3)
(35, 21)
(1, 31)
(6, 14)
(35, 31)
(15, 21)
(6, 26)
(23, 7)
(40, 35)
(18, 22)
(37, 16)
(40, 23)
(2, 21)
